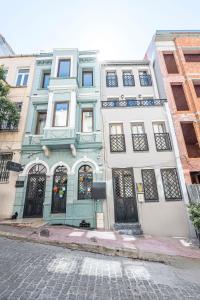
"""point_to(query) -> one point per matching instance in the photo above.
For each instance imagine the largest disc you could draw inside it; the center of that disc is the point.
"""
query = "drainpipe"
(73, 149)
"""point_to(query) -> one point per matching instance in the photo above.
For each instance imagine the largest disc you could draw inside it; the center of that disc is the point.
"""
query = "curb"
(98, 249)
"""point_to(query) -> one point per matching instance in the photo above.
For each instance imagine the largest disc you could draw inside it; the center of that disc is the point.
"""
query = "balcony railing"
(128, 80)
(117, 143)
(132, 103)
(8, 127)
(111, 81)
(162, 141)
(145, 80)
(194, 192)
(140, 142)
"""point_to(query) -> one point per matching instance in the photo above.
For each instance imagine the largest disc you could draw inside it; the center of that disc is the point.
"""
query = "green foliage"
(9, 114)
(194, 211)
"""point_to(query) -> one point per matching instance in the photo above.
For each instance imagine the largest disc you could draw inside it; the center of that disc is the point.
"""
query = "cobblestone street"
(34, 271)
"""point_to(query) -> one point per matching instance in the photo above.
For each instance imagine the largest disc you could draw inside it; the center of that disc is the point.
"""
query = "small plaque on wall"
(19, 183)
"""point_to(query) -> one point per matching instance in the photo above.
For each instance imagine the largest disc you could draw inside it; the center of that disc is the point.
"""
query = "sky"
(119, 29)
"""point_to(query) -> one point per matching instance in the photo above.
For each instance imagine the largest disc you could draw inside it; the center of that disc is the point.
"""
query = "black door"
(35, 192)
(124, 196)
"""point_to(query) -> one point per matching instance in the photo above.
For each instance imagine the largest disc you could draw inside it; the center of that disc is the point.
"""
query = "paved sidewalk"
(161, 249)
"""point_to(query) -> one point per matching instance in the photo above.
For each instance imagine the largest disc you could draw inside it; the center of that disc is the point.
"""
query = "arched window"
(38, 169)
(59, 193)
(85, 181)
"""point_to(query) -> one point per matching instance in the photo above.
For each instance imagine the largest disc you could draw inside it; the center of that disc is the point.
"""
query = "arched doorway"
(35, 191)
(85, 181)
(59, 193)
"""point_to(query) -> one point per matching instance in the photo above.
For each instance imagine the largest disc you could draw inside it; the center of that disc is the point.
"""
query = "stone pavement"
(31, 271)
(107, 242)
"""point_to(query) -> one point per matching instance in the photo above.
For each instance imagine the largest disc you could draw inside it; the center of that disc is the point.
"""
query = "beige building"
(19, 75)
(145, 190)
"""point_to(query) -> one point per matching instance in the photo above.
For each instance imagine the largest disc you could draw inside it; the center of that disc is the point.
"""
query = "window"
(5, 74)
(60, 114)
(117, 138)
(139, 137)
(4, 173)
(59, 192)
(41, 121)
(128, 78)
(190, 139)
(87, 120)
(87, 78)
(162, 138)
(149, 184)
(192, 57)
(64, 68)
(170, 63)
(19, 106)
(22, 77)
(179, 97)
(145, 78)
(111, 79)
(85, 182)
(171, 184)
(45, 80)
(197, 88)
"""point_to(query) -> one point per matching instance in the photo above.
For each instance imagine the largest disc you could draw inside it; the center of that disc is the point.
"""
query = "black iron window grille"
(145, 80)
(150, 186)
(59, 192)
(85, 182)
(117, 143)
(111, 81)
(128, 80)
(4, 173)
(114, 103)
(140, 142)
(162, 141)
(171, 184)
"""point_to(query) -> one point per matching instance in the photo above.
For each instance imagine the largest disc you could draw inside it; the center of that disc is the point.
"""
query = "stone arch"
(85, 161)
(31, 164)
(60, 163)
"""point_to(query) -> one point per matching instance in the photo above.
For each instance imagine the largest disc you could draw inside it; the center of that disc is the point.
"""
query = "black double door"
(124, 196)
(35, 194)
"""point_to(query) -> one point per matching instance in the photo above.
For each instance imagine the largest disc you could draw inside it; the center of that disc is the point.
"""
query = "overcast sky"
(120, 29)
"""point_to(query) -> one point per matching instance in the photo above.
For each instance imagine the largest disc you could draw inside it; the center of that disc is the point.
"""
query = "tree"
(194, 211)
(9, 115)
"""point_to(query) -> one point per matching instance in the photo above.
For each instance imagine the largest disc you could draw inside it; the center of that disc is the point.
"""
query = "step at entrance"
(128, 228)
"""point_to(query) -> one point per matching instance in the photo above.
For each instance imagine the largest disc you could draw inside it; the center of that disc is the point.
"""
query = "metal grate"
(4, 173)
(8, 126)
(140, 142)
(132, 103)
(128, 80)
(85, 182)
(150, 186)
(171, 184)
(38, 169)
(111, 81)
(117, 143)
(145, 80)
(162, 141)
(59, 192)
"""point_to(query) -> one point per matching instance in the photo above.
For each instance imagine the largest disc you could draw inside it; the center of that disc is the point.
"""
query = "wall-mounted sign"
(140, 187)
(99, 190)
(19, 183)
(12, 166)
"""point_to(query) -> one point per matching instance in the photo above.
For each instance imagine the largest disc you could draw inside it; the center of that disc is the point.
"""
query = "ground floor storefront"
(59, 188)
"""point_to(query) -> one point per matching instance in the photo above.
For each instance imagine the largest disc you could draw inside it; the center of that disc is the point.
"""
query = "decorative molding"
(84, 160)
(60, 163)
(87, 59)
(31, 164)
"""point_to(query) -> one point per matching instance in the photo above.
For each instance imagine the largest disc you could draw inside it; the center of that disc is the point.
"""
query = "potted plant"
(194, 211)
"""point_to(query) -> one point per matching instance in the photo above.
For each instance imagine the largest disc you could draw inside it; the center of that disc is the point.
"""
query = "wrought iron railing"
(140, 142)
(111, 81)
(162, 141)
(117, 143)
(194, 192)
(145, 80)
(132, 103)
(128, 80)
(8, 127)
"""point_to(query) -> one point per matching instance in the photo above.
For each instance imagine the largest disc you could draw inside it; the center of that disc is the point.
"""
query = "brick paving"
(34, 271)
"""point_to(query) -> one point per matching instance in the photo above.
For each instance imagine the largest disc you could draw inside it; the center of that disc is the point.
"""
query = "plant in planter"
(194, 211)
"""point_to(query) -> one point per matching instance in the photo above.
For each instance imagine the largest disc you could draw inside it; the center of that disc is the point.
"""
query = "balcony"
(132, 103)
(162, 141)
(117, 143)
(55, 137)
(140, 142)
(90, 139)
(145, 80)
(194, 192)
(111, 81)
(59, 82)
(128, 80)
(7, 127)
